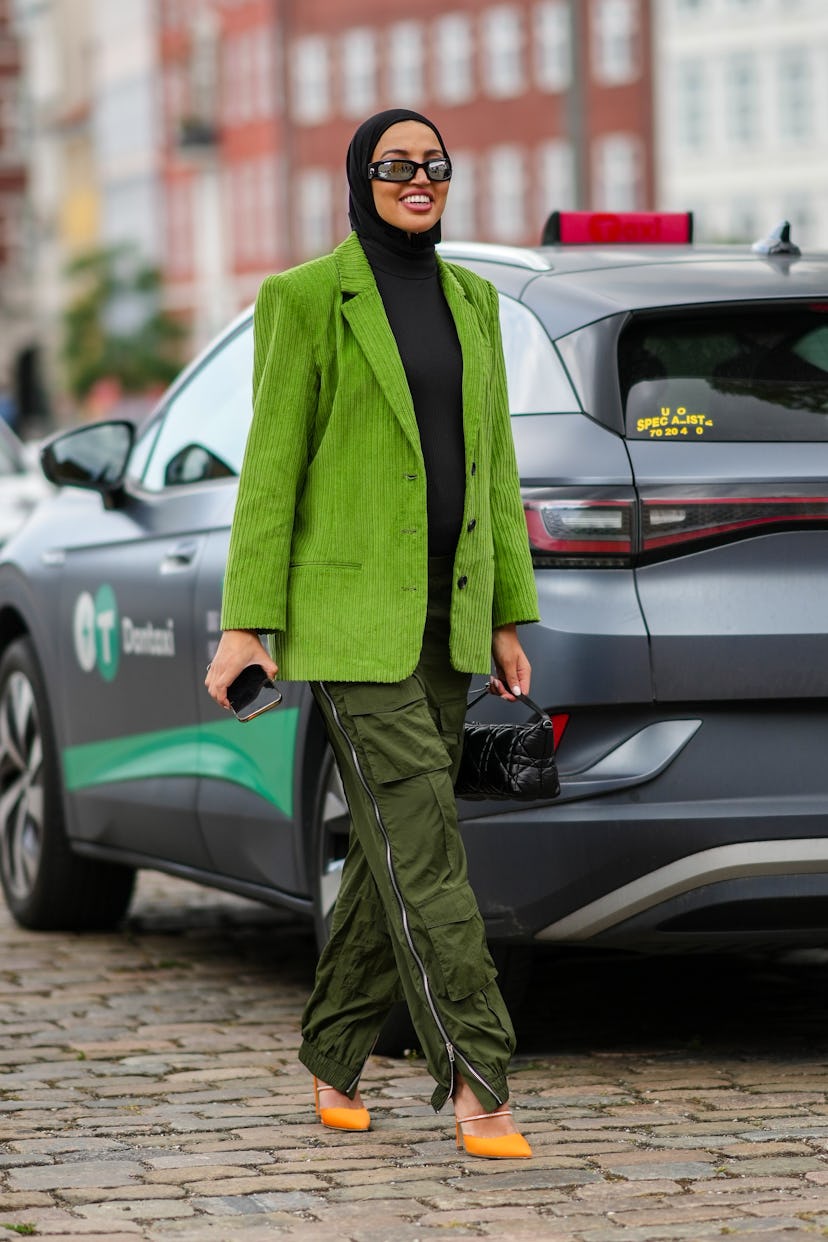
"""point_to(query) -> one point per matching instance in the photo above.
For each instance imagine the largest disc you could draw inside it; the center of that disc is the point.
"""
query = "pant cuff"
(344, 1077)
(488, 1100)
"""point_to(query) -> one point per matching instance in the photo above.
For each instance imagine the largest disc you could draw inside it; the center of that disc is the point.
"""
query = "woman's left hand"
(513, 672)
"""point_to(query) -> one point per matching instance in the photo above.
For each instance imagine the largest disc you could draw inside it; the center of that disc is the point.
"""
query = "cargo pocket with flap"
(396, 731)
(458, 943)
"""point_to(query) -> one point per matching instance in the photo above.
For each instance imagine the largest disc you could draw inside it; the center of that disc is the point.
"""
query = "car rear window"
(733, 373)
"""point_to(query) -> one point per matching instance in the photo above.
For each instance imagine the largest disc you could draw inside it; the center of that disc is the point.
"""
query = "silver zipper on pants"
(451, 1051)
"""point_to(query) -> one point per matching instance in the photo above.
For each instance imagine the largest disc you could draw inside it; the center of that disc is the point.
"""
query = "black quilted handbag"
(508, 760)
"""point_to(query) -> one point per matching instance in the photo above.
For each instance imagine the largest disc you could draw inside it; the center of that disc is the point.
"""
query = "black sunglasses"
(406, 170)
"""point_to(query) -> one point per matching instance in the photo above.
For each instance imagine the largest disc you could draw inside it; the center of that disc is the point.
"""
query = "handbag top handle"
(523, 698)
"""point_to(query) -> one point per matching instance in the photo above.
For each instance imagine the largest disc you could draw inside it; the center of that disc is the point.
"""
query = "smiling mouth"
(416, 200)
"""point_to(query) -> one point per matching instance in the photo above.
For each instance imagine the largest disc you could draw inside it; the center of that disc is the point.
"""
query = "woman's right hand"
(236, 649)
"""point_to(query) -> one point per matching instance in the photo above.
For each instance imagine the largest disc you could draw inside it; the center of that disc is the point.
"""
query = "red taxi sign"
(612, 228)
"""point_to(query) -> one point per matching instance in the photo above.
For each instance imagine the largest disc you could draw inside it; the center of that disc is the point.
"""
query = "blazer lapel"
(363, 309)
(475, 351)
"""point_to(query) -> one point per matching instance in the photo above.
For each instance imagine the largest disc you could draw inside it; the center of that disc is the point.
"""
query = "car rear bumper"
(609, 882)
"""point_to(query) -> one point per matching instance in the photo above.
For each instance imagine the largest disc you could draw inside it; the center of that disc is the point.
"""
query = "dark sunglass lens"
(396, 170)
(438, 170)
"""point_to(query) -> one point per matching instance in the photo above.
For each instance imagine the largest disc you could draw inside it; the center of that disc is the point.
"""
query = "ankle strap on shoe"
(503, 1112)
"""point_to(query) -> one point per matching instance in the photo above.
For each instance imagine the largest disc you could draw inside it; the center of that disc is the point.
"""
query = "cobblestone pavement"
(149, 1090)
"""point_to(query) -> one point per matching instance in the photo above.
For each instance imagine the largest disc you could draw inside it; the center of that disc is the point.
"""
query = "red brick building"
(12, 191)
(542, 103)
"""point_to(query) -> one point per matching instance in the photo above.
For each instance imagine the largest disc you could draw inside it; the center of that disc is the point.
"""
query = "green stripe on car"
(259, 756)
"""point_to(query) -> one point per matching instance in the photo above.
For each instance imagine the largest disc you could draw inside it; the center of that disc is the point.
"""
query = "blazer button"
(461, 582)
(472, 524)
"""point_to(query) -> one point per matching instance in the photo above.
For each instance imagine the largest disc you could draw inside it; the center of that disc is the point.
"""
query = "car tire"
(329, 844)
(47, 887)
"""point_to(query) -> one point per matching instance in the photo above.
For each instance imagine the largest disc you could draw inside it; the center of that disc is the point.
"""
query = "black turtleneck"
(426, 337)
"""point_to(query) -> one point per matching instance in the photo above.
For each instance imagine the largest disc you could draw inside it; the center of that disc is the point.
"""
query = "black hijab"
(366, 221)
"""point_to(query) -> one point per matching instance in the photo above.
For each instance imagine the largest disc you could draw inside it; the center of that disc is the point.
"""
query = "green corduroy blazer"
(329, 545)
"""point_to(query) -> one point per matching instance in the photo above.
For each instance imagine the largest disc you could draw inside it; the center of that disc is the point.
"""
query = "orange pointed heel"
(498, 1147)
(340, 1118)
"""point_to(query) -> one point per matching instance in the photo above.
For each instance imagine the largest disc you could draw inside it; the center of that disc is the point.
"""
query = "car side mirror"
(93, 457)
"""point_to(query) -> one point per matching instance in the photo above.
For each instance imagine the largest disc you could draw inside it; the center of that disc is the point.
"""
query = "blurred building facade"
(212, 133)
(223, 143)
(543, 104)
(63, 205)
(742, 115)
(16, 326)
(126, 126)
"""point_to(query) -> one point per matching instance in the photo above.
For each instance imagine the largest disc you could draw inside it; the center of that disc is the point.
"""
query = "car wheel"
(46, 886)
(331, 826)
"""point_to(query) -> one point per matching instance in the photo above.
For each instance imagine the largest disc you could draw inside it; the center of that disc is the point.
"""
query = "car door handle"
(179, 558)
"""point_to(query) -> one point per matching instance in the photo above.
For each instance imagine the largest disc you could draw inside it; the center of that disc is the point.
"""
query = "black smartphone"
(252, 693)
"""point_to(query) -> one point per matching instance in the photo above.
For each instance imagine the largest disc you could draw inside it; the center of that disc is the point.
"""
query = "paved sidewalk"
(149, 1090)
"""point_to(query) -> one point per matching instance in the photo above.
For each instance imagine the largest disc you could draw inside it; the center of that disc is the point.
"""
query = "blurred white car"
(22, 484)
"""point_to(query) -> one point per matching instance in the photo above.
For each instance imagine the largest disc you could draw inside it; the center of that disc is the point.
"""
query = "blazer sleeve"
(515, 593)
(285, 396)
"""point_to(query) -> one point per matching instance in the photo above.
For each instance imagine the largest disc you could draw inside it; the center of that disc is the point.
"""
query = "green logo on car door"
(96, 632)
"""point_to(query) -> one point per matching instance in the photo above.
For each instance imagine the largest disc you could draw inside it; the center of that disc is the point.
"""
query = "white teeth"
(417, 198)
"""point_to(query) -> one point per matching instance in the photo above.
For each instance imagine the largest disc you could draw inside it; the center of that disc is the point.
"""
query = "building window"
(617, 169)
(268, 230)
(359, 72)
(228, 81)
(454, 58)
(311, 80)
(263, 53)
(743, 221)
(176, 101)
(507, 212)
(742, 100)
(10, 119)
(245, 77)
(615, 37)
(314, 212)
(405, 63)
(551, 45)
(803, 220)
(7, 119)
(12, 230)
(503, 51)
(556, 179)
(179, 223)
(245, 206)
(460, 220)
(796, 102)
(691, 104)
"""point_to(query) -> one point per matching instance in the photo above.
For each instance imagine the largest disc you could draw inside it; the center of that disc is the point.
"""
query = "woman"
(379, 539)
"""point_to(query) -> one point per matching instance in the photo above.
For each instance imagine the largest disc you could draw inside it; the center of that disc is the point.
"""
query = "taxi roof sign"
(613, 228)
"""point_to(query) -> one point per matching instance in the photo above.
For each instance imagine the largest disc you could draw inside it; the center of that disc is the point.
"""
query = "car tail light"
(559, 722)
(611, 528)
(567, 525)
(667, 522)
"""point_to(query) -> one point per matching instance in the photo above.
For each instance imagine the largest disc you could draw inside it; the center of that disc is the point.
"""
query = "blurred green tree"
(114, 327)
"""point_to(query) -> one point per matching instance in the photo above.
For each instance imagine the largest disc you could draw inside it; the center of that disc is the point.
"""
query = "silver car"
(670, 413)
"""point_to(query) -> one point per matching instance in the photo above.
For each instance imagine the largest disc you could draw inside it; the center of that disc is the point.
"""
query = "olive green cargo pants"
(406, 923)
